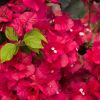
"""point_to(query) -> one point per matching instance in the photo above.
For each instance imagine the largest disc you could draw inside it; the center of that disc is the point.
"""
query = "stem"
(20, 43)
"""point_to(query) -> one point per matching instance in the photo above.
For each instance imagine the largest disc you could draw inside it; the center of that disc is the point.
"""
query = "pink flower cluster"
(67, 68)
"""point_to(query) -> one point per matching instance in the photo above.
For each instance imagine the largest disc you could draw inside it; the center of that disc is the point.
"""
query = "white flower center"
(71, 30)
(54, 50)
(88, 30)
(81, 33)
(82, 91)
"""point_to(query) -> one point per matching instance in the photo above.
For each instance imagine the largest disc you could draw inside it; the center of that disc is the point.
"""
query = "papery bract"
(5, 14)
(34, 4)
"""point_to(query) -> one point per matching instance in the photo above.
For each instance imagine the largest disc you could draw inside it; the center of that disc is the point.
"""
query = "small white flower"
(81, 33)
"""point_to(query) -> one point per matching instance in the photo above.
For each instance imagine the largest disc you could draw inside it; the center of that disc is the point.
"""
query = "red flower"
(24, 23)
(63, 23)
(5, 14)
(94, 53)
(34, 4)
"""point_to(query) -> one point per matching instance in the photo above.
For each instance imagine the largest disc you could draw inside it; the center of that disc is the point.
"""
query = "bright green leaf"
(33, 42)
(11, 34)
(37, 33)
(8, 51)
(33, 39)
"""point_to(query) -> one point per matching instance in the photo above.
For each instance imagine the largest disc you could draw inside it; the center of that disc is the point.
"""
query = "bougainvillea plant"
(49, 49)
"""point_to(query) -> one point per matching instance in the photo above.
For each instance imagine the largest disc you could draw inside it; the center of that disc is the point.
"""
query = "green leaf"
(33, 39)
(76, 8)
(37, 33)
(11, 34)
(33, 42)
(8, 51)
